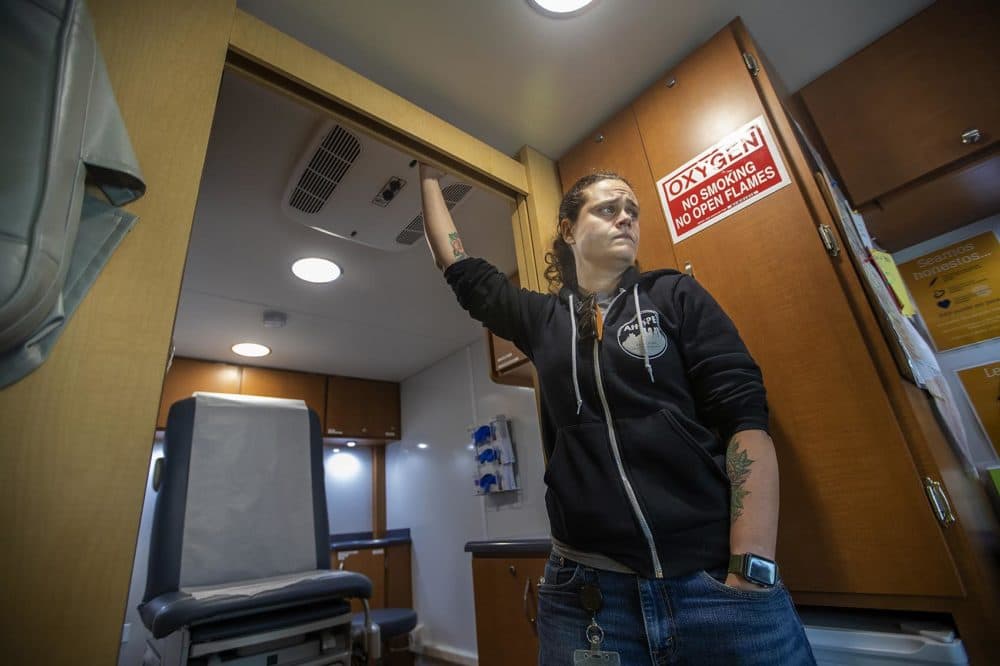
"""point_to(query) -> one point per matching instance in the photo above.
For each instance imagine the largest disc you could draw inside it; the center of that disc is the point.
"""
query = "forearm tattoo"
(456, 246)
(738, 469)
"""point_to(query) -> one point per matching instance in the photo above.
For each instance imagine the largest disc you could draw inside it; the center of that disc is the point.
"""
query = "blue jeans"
(691, 619)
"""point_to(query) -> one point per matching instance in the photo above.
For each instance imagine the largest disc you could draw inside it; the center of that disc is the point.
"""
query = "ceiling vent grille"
(327, 167)
(414, 231)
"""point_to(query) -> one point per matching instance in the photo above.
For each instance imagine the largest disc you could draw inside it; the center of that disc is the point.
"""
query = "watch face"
(761, 571)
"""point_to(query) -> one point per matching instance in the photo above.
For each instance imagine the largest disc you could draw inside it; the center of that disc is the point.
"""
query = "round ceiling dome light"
(251, 349)
(314, 269)
(560, 8)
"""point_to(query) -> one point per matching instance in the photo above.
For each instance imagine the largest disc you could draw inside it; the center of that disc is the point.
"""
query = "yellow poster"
(957, 291)
(982, 385)
(887, 267)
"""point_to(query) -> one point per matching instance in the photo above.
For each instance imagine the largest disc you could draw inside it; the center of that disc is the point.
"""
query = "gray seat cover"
(69, 166)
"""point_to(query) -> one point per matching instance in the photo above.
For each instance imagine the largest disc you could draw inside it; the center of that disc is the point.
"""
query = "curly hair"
(561, 265)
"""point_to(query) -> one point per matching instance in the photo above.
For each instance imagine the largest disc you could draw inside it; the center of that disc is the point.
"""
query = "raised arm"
(439, 228)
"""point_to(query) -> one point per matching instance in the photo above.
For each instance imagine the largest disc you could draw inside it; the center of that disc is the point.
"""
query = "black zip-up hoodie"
(636, 451)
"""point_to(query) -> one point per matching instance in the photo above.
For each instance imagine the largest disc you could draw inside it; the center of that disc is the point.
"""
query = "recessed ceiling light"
(314, 269)
(560, 8)
(251, 349)
(336, 450)
(421, 445)
(352, 444)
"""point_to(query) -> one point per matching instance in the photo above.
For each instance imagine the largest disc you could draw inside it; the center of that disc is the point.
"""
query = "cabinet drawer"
(954, 199)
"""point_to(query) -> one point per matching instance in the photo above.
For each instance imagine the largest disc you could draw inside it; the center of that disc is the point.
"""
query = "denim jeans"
(692, 619)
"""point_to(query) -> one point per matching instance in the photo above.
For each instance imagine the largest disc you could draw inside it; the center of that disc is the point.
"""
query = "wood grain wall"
(77, 433)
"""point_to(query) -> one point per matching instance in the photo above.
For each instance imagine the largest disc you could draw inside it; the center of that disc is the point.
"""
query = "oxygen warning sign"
(740, 169)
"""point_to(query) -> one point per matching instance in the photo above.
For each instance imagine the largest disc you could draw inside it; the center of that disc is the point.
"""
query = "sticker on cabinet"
(738, 170)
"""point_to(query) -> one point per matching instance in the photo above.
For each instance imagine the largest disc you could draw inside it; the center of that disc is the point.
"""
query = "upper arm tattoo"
(456, 246)
(738, 469)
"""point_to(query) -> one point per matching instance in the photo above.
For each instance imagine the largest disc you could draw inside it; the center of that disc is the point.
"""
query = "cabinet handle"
(971, 136)
(512, 569)
(527, 606)
(599, 138)
(939, 501)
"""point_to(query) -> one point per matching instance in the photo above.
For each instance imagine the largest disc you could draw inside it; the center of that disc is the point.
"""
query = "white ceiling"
(390, 315)
(493, 68)
(510, 77)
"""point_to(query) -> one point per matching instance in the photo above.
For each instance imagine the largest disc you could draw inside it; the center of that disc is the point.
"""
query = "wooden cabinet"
(927, 209)
(897, 110)
(362, 409)
(286, 384)
(187, 375)
(389, 570)
(505, 591)
(856, 443)
(369, 562)
(830, 412)
(617, 146)
(398, 576)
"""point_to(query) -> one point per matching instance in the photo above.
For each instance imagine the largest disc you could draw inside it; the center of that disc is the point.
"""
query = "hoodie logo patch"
(630, 340)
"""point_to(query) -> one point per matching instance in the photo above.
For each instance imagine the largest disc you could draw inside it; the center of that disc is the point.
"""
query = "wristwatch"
(754, 568)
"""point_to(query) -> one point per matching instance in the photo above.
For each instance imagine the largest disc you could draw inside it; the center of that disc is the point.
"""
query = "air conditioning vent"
(414, 231)
(327, 167)
(454, 193)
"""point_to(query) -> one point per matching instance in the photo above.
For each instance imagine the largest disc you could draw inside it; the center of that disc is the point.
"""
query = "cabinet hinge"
(939, 501)
(829, 239)
(751, 64)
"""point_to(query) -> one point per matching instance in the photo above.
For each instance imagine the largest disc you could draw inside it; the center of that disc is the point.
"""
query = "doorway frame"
(530, 182)
(79, 430)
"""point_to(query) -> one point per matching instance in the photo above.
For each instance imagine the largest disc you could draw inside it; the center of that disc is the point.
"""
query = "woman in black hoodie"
(662, 481)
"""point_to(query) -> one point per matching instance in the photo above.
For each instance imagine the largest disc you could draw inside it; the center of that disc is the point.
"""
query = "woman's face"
(606, 232)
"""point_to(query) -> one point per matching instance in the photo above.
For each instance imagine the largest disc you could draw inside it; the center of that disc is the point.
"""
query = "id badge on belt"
(591, 600)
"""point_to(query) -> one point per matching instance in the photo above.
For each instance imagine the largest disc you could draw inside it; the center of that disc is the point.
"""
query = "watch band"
(754, 568)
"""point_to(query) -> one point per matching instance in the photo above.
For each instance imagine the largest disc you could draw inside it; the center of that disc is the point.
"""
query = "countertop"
(524, 546)
(357, 540)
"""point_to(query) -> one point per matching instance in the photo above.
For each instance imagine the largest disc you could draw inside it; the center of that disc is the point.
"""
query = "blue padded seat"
(392, 622)
(168, 612)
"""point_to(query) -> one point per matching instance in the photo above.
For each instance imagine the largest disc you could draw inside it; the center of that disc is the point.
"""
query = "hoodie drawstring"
(642, 333)
(576, 381)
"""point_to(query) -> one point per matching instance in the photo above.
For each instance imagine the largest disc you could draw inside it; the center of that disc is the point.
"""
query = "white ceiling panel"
(510, 76)
(389, 315)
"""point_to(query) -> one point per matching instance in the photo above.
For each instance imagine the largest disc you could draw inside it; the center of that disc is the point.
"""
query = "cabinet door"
(286, 384)
(344, 397)
(616, 146)
(369, 562)
(398, 577)
(380, 410)
(854, 517)
(187, 375)
(506, 609)
(897, 109)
